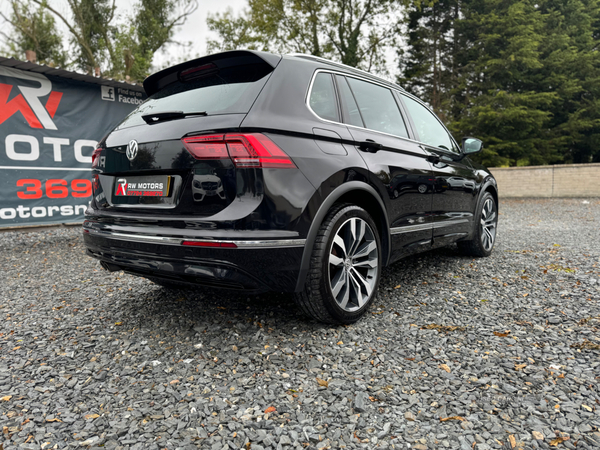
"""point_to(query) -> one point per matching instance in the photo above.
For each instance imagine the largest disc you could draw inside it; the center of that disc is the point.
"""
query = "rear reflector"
(209, 244)
(249, 150)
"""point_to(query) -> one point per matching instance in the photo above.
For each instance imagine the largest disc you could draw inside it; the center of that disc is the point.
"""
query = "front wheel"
(344, 269)
(484, 233)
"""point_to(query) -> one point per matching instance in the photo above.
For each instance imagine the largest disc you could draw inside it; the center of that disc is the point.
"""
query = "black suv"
(253, 171)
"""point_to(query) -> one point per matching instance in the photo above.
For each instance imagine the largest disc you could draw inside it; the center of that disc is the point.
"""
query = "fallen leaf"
(6, 398)
(92, 416)
(537, 435)
(506, 333)
(587, 408)
(512, 440)
(559, 440)
(174, 382)
(118, 324)
(520, 366)
(397, 287)
(340, 343)
(54, 420)
(445, 419)
(270, 409)
(322, 382)
(445, 367)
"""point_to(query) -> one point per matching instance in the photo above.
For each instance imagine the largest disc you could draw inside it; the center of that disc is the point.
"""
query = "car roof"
(343, 68)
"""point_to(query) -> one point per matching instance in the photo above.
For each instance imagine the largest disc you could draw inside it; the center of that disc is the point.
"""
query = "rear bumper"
(245, 262)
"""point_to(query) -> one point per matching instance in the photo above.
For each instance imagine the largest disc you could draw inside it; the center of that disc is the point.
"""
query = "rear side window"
(226, 91)
(322, 98)
(349, 104)
(378, 107)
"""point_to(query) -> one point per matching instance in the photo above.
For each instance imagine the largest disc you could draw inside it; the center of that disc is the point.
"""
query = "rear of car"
(252, 171)
(182, 192)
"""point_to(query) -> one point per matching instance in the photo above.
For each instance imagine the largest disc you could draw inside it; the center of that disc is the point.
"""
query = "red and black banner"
(49, 127)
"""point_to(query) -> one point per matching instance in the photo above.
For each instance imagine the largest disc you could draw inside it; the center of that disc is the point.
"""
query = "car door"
(454, 194)
(398, 166)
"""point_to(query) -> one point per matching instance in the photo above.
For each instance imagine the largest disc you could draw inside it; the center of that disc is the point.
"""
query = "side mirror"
(471, 145)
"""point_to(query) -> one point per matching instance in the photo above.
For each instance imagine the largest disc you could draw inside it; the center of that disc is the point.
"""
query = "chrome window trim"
(334, 72)
(171, 240)
(426, 226)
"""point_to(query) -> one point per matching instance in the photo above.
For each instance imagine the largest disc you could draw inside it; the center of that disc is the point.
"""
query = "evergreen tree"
(426, 63)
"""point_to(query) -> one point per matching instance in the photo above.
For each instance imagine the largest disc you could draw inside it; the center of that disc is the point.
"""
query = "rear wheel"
(484, 234)
(345, 267)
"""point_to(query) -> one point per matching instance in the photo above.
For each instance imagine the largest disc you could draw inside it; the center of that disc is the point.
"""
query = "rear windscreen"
(230, 90)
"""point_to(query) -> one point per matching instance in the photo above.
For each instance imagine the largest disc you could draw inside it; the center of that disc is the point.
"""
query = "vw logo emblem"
(132, 150)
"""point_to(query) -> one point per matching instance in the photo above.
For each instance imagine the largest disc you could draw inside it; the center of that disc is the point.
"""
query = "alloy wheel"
(353, 264)
(488, 224)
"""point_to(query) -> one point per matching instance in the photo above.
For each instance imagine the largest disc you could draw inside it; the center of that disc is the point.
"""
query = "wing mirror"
(471, 145)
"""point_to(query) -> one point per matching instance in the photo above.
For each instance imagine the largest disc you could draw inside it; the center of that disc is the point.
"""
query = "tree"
(33, 29)
(520, 74)
(571, 69)
(119, 49)
(354, 32)
(426, 62)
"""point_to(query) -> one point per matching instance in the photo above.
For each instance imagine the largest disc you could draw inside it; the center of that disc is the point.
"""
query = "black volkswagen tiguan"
(253, 171)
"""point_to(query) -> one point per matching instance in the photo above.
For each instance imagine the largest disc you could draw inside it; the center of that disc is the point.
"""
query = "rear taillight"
(96, 157)
(249, 150)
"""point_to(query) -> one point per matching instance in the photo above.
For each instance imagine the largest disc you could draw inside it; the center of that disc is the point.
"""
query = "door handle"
(369, 146)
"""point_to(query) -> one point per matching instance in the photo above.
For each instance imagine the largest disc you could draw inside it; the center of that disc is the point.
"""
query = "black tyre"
(345, 267)
(484, 234)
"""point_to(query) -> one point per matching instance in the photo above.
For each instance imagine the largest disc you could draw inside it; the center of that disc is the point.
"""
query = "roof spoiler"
(160, 80)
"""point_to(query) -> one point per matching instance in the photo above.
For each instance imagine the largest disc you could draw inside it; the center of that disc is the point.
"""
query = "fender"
(488, 182)
(320, 216)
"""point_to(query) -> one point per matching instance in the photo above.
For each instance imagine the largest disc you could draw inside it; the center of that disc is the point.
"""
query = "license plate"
(147, 186)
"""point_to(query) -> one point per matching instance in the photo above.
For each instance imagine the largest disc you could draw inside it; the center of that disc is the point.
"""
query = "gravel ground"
(458, 353)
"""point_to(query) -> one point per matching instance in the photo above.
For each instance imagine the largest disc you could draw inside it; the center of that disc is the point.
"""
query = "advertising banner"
(49, 127)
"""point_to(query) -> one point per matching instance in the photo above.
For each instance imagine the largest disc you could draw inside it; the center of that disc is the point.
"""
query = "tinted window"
(322, 98)
(348, 103)
(429, 128)
(378, 107)
(230, 90)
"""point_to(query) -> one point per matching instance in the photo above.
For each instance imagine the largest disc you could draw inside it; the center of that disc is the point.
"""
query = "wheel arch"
(492, 187)
(360, 194)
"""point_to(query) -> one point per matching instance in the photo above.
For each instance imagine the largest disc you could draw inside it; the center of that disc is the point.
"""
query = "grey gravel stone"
(105, 360)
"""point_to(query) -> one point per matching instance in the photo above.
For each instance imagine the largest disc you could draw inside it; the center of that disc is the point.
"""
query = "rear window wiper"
(170, 115)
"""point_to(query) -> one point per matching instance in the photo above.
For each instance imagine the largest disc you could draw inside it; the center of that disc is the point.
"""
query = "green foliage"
(354, 32)
(522, 75)
(33, 29)
(121, 49)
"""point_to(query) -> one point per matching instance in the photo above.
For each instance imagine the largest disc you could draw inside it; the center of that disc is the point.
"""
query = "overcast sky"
(194, 30)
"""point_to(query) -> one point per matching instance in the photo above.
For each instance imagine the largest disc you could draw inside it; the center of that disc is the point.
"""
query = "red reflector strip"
(209, 244)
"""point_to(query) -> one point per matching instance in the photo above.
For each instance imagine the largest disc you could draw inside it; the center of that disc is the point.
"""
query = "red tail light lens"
(96, 157)
(249, 150)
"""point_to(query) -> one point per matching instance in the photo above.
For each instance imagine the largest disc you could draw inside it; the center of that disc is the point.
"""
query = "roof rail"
(341, 65)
